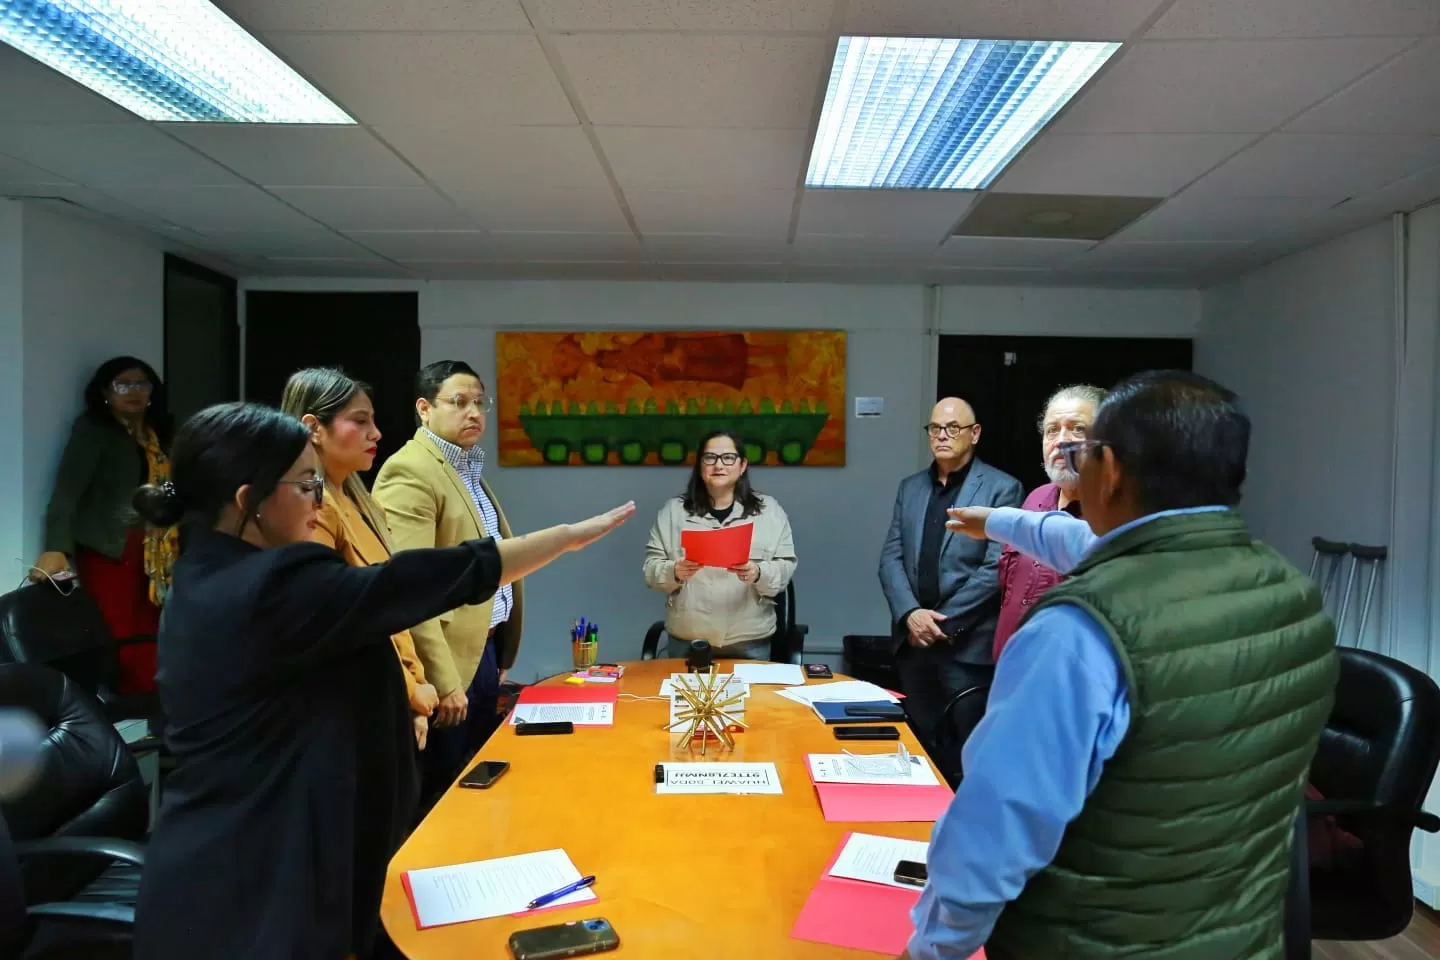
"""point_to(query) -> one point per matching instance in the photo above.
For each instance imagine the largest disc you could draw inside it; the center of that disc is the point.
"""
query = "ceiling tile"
(204, 209)
(1198, 217)
(386, 78)
(1329, 166)
(850, 273)
(1117, 164)
(50, 96)
(864, 251)
(1010, 253)
(331, 267)
(468, 157)
(1153, 255)
(363, 15)
(693, 158)
(588, 211)
(725, 272)
(528, 270)
(14, 171)
(314, 242)
(700, 81)
(298, 155)
(1220, 87)
(476, 245)
(1000, 19)
(744, 213)
(914, 214)
(1402, 196)
(112, 154)
(376, 208)
(712, 248)
(775, 15)
(1401, 97)
(1198, 19)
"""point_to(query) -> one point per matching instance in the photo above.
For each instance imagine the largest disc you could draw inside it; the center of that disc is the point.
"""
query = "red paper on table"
(856, 914)
(569, 693)
(882, 802)
(726, 547)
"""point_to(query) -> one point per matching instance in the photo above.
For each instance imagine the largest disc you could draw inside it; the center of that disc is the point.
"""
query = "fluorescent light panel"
(940, 113)
(171, 60)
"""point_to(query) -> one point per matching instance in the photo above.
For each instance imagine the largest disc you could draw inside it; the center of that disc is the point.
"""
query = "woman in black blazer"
(284, 701)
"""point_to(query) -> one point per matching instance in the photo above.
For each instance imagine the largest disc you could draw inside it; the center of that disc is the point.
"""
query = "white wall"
(87, 294)
(12, 389)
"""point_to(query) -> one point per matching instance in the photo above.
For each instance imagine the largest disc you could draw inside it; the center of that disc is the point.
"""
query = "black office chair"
(88, 786)
(957, 722)
(787, 645)
(1376, 760)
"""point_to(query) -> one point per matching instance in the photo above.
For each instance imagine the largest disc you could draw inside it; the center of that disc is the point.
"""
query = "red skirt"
(122, 591)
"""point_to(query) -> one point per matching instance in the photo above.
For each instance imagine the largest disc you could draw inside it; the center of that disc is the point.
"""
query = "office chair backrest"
(1382, 745)
(14, 923)
(88, 785)
(60, 626)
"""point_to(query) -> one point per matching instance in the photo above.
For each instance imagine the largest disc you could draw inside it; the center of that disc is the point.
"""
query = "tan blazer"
(426, 505)
(342, 527)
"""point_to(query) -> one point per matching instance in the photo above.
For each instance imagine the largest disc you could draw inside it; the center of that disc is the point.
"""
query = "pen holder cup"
(585, 654)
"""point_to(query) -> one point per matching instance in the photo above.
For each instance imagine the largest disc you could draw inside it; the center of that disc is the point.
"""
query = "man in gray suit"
(942, 590)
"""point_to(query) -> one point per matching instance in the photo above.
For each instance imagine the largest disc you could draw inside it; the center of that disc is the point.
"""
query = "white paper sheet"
(580, 714)
(776, 673)
(837, 768)
(874, 859)
(736, 778)
(491, 888)
(843, 691)
(727, 681)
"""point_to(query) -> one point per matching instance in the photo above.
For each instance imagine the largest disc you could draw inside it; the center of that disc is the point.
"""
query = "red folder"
(856, 914)
(570, 693)
(726, 547)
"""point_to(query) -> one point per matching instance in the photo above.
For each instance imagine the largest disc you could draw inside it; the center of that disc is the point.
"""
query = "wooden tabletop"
(673, 872)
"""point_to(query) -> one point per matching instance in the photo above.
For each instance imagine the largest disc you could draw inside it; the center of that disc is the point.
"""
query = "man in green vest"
(1133, 788)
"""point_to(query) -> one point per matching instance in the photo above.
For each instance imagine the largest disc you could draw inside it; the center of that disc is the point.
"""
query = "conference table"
(676, 875)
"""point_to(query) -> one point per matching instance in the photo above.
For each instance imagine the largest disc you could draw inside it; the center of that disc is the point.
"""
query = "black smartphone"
(543, 729)
(484, 773)
(818, 671)
(866, 733)
(911, 874)
(889, 711)
(574, 939)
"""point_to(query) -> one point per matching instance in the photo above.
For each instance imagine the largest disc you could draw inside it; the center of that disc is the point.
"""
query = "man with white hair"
(1067, 416)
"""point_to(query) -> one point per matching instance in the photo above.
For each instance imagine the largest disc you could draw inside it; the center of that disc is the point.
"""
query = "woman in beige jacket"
(734, 608)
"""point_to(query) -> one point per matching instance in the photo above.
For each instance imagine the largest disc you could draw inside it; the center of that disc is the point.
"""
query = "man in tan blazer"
(433, 496)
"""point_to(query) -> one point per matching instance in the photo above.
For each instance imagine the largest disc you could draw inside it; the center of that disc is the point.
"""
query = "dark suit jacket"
(968, 579)
(286, 708)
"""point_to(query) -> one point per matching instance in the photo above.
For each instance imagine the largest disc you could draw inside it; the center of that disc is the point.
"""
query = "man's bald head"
(953, 433)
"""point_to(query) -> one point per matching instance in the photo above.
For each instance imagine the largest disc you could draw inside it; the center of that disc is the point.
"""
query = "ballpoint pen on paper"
(564, 891)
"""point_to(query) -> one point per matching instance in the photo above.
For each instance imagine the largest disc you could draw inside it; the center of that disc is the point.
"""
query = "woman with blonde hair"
(341, 417)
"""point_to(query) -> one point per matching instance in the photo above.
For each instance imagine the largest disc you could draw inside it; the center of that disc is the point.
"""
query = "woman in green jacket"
(118, 443)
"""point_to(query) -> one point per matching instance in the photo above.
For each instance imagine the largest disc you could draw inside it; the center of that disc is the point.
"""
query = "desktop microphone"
(21, 738)
(700, 656)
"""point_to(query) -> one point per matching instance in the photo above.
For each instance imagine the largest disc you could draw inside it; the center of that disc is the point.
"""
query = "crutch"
(1325, 568)
(1375, 557)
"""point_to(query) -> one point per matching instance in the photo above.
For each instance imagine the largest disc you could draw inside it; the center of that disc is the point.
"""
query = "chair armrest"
(110, 847)
(652, 640)
(120, 914)
(149, 744)
(1417, 819)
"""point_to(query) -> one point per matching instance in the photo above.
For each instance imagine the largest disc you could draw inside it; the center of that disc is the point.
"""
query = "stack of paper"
(850, 794)
(582, 706)
(728, 682)
(776, 673)
(841, 691)
(857, 903)
(490, 888)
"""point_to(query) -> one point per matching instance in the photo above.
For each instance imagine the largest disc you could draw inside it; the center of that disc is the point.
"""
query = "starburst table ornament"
(706, 708)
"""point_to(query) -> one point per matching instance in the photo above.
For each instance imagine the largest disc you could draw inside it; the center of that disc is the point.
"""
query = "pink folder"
(856, 914)
(569, 693)
(726, 547)
(882, 802)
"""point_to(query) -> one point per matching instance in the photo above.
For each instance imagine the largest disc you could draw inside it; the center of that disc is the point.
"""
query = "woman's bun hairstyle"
(159, 504)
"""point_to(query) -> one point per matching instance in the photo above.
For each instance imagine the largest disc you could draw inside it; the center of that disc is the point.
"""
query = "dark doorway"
(202, 338)
(374, 337)
(1008, 379)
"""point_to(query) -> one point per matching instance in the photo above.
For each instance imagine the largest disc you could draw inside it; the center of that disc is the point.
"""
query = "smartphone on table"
(866, 733)
(911, 874)
(484, 773)
(577, 938)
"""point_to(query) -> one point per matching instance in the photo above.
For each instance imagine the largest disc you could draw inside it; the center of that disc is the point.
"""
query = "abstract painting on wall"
(646, 398)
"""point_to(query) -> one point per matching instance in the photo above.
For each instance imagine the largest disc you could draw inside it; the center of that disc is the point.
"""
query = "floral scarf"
(161, 546)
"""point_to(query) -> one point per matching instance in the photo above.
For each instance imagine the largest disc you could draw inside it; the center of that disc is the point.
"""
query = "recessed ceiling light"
(940, 113)
(165, 60)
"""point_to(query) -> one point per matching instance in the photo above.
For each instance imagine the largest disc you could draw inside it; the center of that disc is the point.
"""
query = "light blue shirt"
(470, 464)
(1059, 708)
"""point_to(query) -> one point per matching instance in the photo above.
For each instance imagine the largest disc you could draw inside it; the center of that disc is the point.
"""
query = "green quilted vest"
(1182, 851)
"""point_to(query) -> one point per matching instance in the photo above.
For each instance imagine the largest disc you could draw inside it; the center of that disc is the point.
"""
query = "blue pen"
(564, 891)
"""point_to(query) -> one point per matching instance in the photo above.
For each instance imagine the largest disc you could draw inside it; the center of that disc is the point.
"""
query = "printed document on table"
(839, 768)
(783, 674)
(726, 682)
(580, 714)
(737, 778)
(844, 691)
(491, 888)
(874, 859)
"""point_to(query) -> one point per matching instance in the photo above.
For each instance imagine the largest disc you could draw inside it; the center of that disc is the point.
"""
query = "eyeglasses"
(729, 459)
(1075, 451)
(131, 386)
(315, 486)
(461, 403)
(936, 430)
